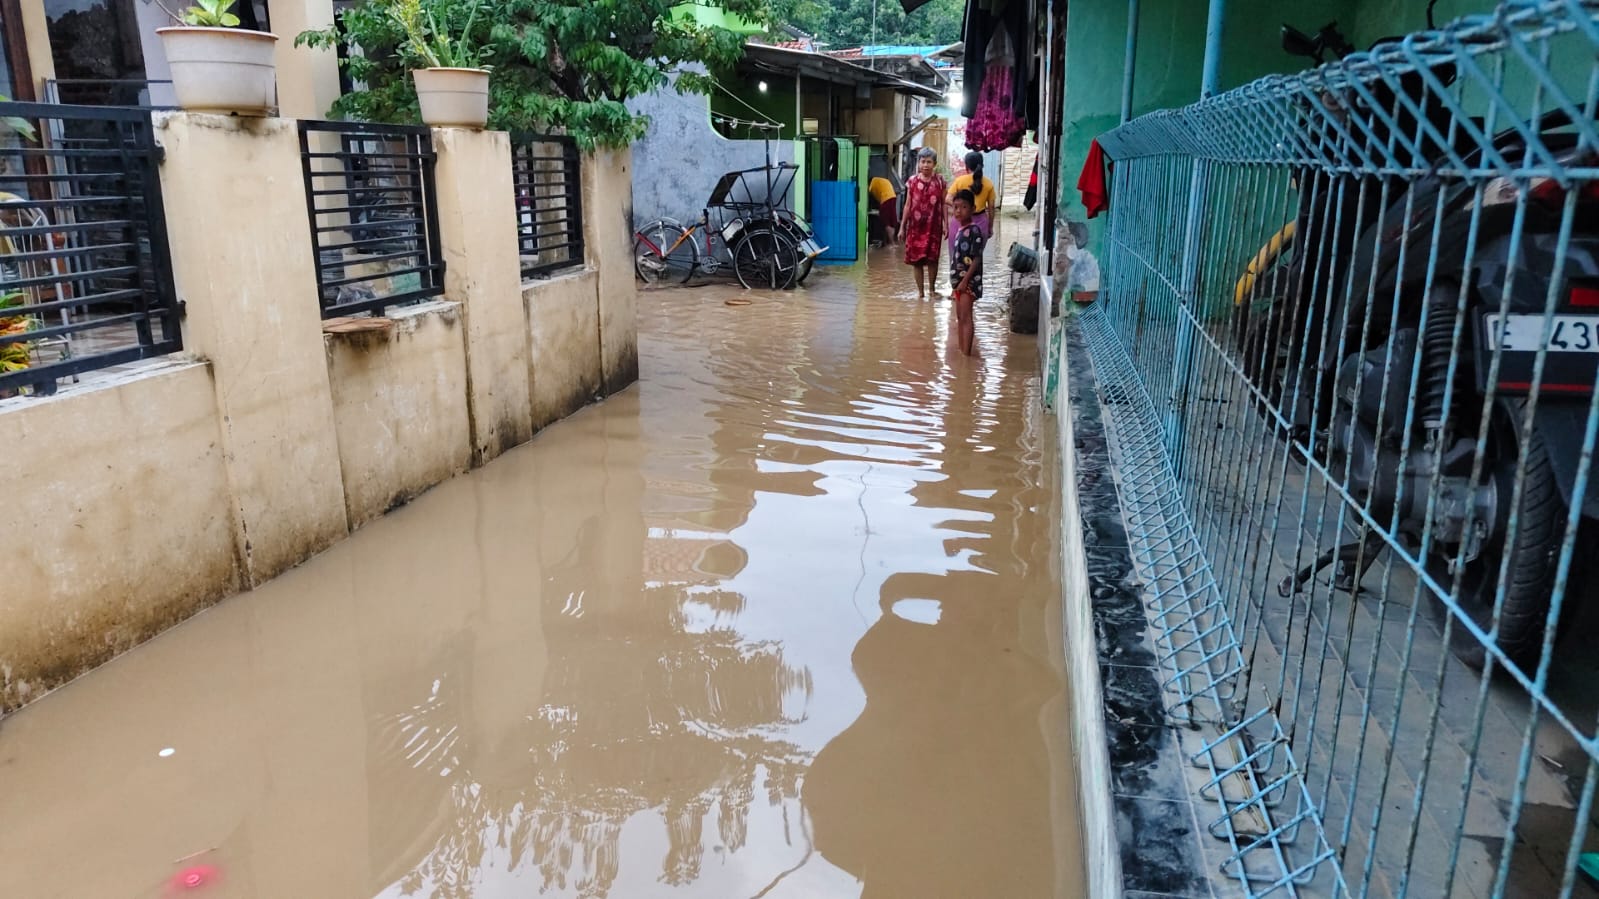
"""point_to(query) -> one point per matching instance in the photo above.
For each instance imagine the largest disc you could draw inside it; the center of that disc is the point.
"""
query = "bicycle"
(761, 255)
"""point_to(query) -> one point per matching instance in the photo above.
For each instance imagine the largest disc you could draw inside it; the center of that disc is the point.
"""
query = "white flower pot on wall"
(457, 97)
(222, 69)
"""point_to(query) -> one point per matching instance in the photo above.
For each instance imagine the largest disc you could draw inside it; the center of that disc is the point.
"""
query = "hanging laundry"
(1091, 183)
(995, 125)
(984, 20)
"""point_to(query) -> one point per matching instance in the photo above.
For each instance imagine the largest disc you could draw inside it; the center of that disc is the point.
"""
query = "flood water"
(782, 620)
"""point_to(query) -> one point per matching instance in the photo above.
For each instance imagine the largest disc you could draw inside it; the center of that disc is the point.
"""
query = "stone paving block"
(1159, 850)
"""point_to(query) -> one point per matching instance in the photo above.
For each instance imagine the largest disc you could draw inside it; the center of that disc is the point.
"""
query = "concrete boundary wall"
(118, 521)
(397, 407)
(138, 499)
(1101, 849)
(565, 365)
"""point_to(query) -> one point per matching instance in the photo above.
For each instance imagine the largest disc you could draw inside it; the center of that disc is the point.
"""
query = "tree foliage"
(557, 65)
(848, 23)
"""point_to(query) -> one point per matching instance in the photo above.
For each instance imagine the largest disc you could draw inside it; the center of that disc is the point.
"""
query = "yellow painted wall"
(251, 310)
(608, 238)
(397, 408)
(117, 522)
(563, 316)
(482, 271)
(143, 498)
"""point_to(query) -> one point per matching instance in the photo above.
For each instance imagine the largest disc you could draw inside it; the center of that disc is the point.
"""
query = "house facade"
(781, 105)
(107, 52)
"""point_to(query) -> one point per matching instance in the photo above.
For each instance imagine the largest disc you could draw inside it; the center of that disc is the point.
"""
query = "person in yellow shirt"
(886, 202)
(985, 198)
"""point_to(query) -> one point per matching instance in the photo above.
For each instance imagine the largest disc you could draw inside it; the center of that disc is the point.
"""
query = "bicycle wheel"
(767, 259)
(663, 255)
(800, 232)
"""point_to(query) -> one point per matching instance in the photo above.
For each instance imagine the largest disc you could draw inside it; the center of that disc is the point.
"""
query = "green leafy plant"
(206, 14)
(18, 355)
(211, 14)
(565, 66)
(19, 125)
(431, 42)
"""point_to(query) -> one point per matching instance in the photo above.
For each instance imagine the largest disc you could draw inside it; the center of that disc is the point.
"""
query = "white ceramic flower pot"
(222, 69)
(458, 97)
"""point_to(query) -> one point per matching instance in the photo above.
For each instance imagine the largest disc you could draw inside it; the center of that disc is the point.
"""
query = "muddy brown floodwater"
(780, 621)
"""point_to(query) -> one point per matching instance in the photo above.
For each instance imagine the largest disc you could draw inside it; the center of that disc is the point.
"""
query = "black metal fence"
(141, 92)
(547, 171)
(85, 274)
(374, 215)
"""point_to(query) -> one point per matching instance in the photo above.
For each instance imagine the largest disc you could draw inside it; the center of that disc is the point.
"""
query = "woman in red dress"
(922, 225)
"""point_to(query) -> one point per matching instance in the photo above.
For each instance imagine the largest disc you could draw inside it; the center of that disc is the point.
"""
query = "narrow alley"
(780, 621)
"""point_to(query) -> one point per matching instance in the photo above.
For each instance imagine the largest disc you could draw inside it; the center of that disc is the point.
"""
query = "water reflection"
(929, 792)
(780, 622)
(652, 707)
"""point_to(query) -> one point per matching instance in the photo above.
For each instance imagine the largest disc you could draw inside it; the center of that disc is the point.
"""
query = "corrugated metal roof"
(936, 55)
(824, 67)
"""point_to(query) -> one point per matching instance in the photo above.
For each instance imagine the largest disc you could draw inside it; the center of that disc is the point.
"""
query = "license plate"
(1525, 333)
(812, 249)
(1568, 368)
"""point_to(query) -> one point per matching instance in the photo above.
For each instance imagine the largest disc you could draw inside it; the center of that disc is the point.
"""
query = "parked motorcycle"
(1323, 339)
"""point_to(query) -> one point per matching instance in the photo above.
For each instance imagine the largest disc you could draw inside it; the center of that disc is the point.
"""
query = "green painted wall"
(798, 192)
(1170, 62)
(716, 16)
(1171, 52)
(1170, 58)
(775, 104)
(1377, 19)
(863, 157)
(1570, 60)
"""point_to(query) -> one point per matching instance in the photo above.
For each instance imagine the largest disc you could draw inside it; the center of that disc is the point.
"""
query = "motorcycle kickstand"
(1362, 552)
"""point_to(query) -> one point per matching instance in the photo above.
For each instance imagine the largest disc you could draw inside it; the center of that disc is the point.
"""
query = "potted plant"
(17, 355)
(452, 87)
(217, 67)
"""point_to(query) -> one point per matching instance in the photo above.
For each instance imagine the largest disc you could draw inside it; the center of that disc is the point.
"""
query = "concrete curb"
(1090, 741)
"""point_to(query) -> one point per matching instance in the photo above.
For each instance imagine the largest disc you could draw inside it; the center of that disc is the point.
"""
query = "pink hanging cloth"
(994, 124)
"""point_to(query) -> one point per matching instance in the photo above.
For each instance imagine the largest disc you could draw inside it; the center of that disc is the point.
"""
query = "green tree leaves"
(558, 65)
(848, 23)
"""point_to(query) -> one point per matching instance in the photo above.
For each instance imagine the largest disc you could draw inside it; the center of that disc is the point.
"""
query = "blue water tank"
(834, 207)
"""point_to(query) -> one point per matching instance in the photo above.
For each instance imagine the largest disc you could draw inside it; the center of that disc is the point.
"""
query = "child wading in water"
(966, 268)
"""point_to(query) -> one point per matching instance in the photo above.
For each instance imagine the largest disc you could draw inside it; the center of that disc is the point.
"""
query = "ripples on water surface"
(779, 621)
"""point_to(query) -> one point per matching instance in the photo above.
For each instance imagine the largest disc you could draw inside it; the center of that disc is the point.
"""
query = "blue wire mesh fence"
(1348, 351)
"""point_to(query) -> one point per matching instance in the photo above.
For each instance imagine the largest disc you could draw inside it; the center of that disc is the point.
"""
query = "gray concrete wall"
(680, 160)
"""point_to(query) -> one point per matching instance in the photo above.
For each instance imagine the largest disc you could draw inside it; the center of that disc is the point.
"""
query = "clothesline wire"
(745, 123)
(763, 122)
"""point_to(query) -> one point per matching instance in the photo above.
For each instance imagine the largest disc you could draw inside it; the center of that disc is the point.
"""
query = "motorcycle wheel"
(1542, 516)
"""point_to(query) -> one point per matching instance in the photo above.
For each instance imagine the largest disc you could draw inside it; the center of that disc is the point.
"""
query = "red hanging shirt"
(1096, 196)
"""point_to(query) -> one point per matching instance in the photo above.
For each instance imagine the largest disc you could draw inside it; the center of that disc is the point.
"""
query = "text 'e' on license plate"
(1569, 365)
(1525, 333)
